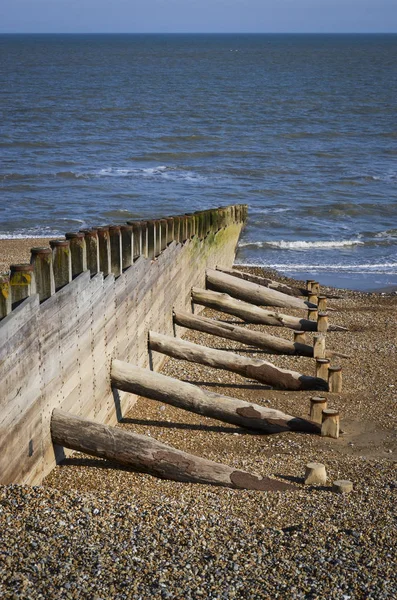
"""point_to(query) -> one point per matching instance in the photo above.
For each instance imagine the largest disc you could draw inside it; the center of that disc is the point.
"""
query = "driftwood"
(146, 455)
(270, 283)
(149, 384)
(230, 331)
(260, 370)
(251, 292)
(254, 314)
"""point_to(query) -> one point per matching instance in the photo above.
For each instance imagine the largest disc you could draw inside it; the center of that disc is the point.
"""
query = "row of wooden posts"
(109, 249)
(233, 291)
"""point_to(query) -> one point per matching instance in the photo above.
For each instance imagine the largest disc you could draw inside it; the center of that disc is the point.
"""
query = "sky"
(196, 16)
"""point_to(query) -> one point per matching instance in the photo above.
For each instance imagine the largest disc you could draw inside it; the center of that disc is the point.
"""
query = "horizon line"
(198, 32)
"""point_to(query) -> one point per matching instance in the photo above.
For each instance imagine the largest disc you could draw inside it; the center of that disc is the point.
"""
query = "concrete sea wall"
(83, 302)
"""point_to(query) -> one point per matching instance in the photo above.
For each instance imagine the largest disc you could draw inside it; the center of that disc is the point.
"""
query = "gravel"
(96, 531)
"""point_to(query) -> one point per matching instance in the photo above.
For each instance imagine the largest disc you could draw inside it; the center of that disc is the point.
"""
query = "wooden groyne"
(83, 301)
(89, 319)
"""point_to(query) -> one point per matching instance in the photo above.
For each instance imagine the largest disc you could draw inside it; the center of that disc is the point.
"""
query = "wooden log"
(323, 322)
(270, 283)
(315, 289)
(251, 292)
(322, 303)
(269, 343)
(330, 423)
(309, 284)
(253, 314)
(5, 296)
(260, 370)
(300, 337)
(146, 455)
(187, 396)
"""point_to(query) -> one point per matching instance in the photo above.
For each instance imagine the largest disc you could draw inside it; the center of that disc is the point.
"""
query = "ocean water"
(303, 128)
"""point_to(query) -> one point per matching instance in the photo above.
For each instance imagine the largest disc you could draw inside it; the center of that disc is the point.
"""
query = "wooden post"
(127, 245)
(92, 249)
(317, 405)
(322, 303)
(5, 296)
(186, 396)
(22, 283)
(342, 486)
(163, 234)
(170, 230)
(251, 313)
(274, 285)
(319, 345)
(309, 284)
(41, 259)
(322, 322)
(78, 252)
(267, 342)
(104, 250)
(315, 289)
(137, 238)
(62, 262)
(177, 229)
(300, 337)
(260, 370)
(322, 366)
(315, 474)
(330, 424)
(312, 314)
(313, 298)
(146, 455)
(335, 379)
(116, 250)
(152, 236)
(251, 292)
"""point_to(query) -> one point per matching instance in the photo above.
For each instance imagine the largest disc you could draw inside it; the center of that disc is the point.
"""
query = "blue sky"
(90, 16)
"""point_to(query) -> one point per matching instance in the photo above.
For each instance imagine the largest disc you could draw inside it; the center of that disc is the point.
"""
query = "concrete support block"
(41, 259)
(78, 252)
(62, 262)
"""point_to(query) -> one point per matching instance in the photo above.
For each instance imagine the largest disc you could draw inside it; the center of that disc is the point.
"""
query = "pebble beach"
(96, 531)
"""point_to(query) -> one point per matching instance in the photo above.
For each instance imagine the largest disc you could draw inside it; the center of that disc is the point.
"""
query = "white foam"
(388, 267)
(302, 245)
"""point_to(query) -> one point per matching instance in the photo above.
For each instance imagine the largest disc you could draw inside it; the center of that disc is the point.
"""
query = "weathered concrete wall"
(57, 353)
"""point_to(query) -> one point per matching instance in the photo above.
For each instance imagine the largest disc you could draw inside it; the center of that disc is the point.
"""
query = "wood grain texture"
(146, 455)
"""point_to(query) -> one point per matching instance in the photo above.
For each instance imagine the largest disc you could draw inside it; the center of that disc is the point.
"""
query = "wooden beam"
(270, 283)
(230, 331)
(251, 292)
(186, 396)
(262, 371)
(146, 455)
(254, 314)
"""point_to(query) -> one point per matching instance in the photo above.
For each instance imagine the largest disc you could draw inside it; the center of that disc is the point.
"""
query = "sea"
(99, 129)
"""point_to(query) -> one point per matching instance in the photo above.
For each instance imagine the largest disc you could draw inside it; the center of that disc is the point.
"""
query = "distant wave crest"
(302, 245)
